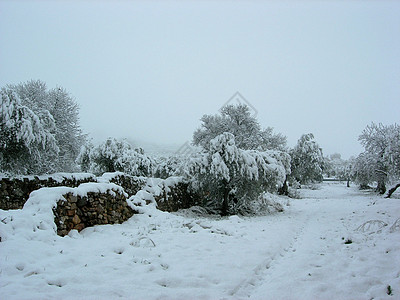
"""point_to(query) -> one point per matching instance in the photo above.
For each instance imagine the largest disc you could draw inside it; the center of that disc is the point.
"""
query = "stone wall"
(98, 207)
(15, 191)
(94, 208)
(130, 184)
(177, 196)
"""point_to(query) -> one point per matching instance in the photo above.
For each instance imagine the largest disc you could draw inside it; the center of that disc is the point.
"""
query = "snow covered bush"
(380, 161)
(113, 156)
(172, 165)
(307, 160)
(40, 130)
(265, 203)
(228, 176)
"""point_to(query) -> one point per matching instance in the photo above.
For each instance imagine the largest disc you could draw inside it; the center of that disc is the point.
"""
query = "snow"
(59, 177)
(36, 220)
(332, 243)
(144, 202)
(108, 176)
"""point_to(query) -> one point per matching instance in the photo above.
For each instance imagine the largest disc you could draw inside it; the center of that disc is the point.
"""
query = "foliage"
(380, 161)
(68, 134)
(265, 203)
(335, 166)
(112, 156)
(169, 166)
(40, 130)
(363, 171)
(307, 160)
(237, 120)
(27, 142)
(229, 176)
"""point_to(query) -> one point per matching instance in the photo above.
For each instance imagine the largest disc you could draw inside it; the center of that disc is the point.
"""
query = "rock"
(76, 220)
(82, 202)
(79, 226)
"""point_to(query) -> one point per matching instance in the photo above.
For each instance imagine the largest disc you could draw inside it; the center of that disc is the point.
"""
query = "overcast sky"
(148, 71)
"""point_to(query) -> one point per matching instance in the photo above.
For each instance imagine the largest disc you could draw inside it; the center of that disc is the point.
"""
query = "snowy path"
(316, 262)
(320, 264)
(298, 254)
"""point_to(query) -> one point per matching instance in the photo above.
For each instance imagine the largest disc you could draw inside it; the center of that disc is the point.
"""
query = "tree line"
(236, 162)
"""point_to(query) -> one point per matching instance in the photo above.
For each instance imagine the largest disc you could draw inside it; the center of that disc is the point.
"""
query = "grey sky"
(150, 70)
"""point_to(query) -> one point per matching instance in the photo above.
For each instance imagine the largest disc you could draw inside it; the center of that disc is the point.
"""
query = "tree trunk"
(225, 202)
(381, 177)
(381, 188)
(284, 190)
(391, 191)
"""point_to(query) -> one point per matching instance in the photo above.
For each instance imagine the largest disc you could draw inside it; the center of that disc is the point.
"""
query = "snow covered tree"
(380, 161)
(112, 156)
(57, 113)
(27, 145)
(68, 134)
(363, 170)
(307, 160)
(237, 120)
(343, 171)
(335, 166)
(229, 177)
(172, 165)
(84, 157)
(33, 94)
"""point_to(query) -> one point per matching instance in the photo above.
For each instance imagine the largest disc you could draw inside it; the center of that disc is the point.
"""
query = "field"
(333, 243)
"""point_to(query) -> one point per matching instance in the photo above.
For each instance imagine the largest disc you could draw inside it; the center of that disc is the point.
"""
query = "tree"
(343, 170)
(27, 145)
(335, 166)
(237, 120)
(363, 170)
(68, 134)
(172, 165)
(57, 113)
(84, 157)
(307, 160)
(112, 156)
(228, 176)
(380, 161)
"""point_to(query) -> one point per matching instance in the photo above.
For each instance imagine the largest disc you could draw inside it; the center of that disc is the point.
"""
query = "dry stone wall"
(15, 191)
(94, 208)
(177, 196)
(130, 184)
(98, 207)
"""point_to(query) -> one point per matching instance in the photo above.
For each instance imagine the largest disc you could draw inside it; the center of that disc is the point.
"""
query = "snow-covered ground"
(321, 247)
